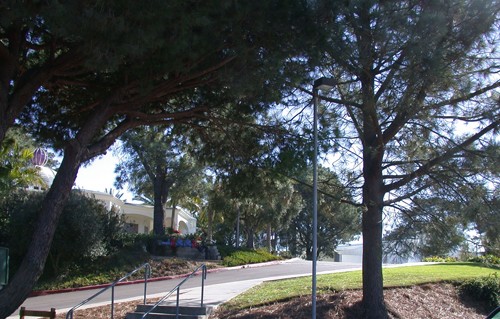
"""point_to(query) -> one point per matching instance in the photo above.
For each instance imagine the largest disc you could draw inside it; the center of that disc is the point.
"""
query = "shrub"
(483, 289)
(487, 259)
(149, 241)
(439, 259)
(225, 250)
(86, 230)
(285, 254)
(248, 256)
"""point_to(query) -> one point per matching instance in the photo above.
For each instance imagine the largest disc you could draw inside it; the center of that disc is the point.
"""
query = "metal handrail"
(203, 277)
(147, 274)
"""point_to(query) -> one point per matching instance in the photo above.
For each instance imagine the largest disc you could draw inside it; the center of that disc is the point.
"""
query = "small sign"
(4, 266)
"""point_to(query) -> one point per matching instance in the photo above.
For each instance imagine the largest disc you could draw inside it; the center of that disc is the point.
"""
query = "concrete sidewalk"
(214, 295)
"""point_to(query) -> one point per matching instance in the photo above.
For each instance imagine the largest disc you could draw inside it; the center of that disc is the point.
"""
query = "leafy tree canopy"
(415, 95)
(16, 167)
(337, 222)
(155, 161)
(84, 73)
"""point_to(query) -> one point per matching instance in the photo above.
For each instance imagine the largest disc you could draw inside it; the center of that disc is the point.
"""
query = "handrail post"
(178, 288)
(69, 314)
(112, 301)
(147, 273)
(177, 306)
(203, 277)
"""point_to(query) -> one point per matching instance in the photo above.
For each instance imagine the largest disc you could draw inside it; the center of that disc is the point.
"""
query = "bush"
(86, 230)
(483, 289)
(285, 254)
(488, 260)
(248, 256)
(438, 259)
(149, 241)
(225, 250)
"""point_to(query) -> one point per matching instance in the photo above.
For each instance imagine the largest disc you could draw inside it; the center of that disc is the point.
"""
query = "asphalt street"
(220, 285)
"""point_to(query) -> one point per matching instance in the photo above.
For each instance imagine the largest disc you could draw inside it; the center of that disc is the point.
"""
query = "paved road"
(219, 286)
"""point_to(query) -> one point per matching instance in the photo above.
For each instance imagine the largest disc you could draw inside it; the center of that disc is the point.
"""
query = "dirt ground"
(430, 301)
(425, 302)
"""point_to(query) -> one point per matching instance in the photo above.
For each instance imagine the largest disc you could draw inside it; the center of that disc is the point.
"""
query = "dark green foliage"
(410, 76)
(224, 231)
(337, 222)
(150, 242)
(435, 223)
(86, 229)
(19, 210)
(261, 198)
(157, 168)
(168, 47)
(483, 209)
(226, 250)
(107, 269)
(485, 289)
(89, 71)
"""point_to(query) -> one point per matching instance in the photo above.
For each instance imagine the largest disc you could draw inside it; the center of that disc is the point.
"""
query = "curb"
(102, 286)
(38, 293)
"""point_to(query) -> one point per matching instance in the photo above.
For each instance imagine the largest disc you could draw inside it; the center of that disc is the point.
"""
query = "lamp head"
(324, 84)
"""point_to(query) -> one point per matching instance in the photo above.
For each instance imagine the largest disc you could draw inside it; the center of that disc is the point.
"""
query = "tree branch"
(424, 169)
(466, 97)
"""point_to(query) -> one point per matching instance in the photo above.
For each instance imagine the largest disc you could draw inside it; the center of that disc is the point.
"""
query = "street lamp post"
(323, 84)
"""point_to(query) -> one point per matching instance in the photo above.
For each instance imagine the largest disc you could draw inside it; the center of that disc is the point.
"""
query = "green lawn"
(278, 290)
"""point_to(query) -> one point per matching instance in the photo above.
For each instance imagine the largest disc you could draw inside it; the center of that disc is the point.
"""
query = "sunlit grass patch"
(280, 290)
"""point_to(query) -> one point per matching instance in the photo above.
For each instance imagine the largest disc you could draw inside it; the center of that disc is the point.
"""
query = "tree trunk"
(250, 238)
(161, 188)
(309, 252)
(23, 281)
(159, 209)
(373, 154)
(237, 239)
(373, 196)
(373, 293)
(210, 222)
(269, 243)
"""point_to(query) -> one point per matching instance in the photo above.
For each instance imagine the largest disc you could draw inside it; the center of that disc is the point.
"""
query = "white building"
(353, 252)
(139, 217)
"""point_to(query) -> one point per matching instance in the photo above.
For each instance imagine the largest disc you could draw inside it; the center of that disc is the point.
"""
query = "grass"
(282, 290)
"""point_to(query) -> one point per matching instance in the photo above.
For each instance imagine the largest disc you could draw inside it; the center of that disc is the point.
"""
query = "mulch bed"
(432, 301)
